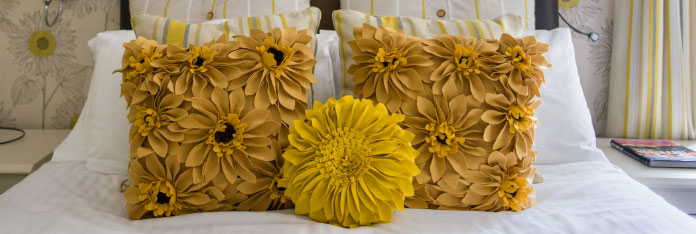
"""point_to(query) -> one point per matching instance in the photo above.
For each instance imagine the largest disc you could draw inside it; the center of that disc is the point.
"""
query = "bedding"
(188, 11)
(225, 9)
(583, 197)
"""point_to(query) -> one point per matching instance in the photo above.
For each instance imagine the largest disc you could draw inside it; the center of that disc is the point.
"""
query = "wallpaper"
(45, 71)
(593, 58)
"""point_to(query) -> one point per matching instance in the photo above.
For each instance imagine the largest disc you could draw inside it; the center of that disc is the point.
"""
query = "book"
(657, 153)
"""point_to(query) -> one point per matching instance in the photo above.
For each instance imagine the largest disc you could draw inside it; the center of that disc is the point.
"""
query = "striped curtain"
(651, 83)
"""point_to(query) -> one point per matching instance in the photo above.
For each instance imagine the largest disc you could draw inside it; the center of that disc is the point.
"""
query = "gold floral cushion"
(207, 121)
(470, 104)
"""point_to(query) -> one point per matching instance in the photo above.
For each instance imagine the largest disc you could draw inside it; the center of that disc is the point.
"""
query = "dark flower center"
(162, 198)
(42, 43)
(199, 62)
(513, 194)
(278, 55)
(442, 139)
(227, 135)
(275, 184)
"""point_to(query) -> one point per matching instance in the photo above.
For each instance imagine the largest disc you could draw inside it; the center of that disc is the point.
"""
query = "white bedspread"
(587, 197)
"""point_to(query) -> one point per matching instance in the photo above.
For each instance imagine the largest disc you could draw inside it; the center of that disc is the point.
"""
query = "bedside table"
(676, 185)
(21, 157)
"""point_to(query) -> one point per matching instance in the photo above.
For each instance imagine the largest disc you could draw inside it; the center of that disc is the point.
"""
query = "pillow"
(217, 113)
(172, 31)
(346, 20)
(108, 153)
(247, 8)
(446, 9)
(188, 11)
(565, 136)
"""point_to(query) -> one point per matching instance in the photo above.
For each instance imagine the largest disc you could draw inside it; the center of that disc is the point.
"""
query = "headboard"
(545, 13)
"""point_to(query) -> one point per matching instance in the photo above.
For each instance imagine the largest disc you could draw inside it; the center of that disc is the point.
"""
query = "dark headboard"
(545, 11)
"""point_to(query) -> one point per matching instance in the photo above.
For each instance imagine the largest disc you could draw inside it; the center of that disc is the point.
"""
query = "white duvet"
(585, 197)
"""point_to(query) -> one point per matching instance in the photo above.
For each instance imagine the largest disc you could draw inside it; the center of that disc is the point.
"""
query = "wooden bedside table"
(21, 157)
(676, 185)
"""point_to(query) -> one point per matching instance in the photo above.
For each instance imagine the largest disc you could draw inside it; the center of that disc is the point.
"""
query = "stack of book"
(657, 153)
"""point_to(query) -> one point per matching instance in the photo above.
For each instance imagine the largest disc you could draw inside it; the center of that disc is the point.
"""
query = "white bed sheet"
(585, 197)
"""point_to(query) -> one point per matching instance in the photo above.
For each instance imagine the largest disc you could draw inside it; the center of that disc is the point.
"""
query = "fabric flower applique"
(524, 60)
(511, 122)
(167, 190)
(502, 184)
(197, 67)
(464, 65)
(448, 135)
(139, 80)
(223, 134)
(354, 158)
(154, 127)
(277, 70)
(266, 194)
(390, 67)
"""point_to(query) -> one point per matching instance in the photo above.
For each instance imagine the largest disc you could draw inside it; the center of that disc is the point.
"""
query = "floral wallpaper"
(593, 58)
(45, 71)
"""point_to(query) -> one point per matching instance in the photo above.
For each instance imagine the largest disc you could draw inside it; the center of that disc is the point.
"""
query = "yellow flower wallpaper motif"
(355, 159)
(166, 189)
(224, 134)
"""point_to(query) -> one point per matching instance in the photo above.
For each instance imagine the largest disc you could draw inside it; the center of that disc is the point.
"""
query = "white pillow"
(105, 130)
(108, 127)
(565, 133)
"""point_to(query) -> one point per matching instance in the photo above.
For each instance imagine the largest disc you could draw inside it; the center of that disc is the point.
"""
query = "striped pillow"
(446, 9)
(346, 20)
(172, 31)
(225, 9)
(198, 11)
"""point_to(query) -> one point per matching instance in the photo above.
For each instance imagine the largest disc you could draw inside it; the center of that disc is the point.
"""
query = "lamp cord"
(14, 139)
(593, 36)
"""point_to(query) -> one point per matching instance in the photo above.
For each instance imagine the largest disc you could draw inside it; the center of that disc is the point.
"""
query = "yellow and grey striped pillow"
(172, 31)
(346, 20)
(246, 8)
(188, 11)
(446, 9)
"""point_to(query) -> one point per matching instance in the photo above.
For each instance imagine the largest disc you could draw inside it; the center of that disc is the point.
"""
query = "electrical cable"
(14, 139)
(593, 36)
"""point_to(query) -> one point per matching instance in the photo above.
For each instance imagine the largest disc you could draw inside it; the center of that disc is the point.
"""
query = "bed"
(580, 196)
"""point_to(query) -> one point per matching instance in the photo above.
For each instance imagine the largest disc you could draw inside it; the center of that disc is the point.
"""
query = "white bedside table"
(676, 185)
(19, 158)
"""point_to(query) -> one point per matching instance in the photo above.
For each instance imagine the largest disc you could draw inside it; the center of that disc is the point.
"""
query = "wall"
(45, 71)
(593, 58)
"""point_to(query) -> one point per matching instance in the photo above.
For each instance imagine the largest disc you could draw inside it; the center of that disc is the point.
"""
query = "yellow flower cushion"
(349, 163)
(208, 122)
(171, 31)
(345, 21)
(470, 104)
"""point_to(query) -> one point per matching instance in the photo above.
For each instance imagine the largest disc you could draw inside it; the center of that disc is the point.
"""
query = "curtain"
(651, 83)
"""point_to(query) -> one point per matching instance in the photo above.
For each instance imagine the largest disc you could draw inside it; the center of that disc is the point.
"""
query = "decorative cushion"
(349, 163)
(446, 9)
(191, 110)
(472, 114)
(225, 9)
(198, 11)
(172, 31)
(188, 11)
(346, 20)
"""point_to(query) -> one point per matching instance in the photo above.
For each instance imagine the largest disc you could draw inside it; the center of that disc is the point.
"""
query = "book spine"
(630, 152)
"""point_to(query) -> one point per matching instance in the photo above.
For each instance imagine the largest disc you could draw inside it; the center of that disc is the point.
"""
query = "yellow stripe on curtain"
(650, 85)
